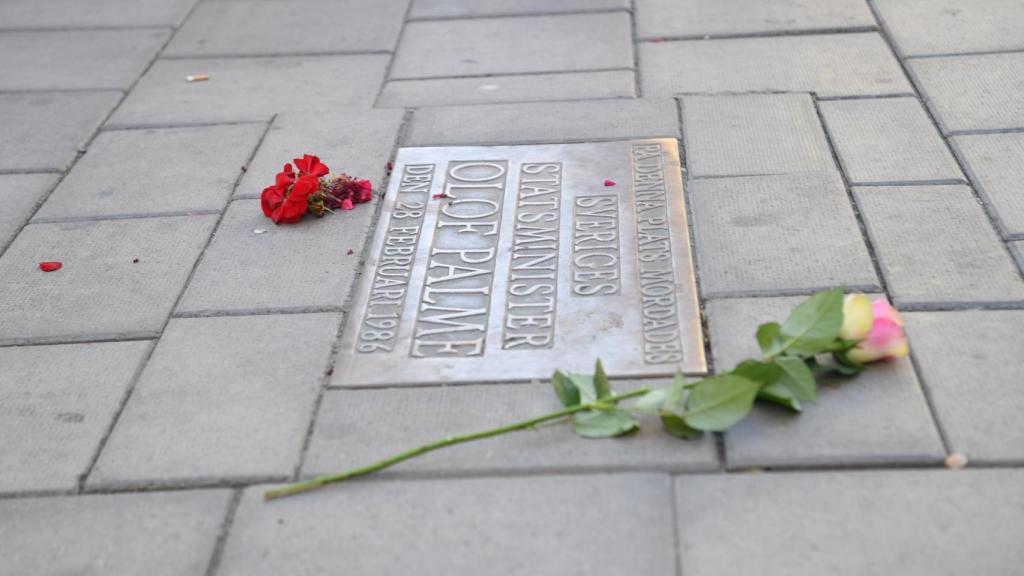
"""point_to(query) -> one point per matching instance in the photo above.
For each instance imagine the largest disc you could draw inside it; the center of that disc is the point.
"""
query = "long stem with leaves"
(599, 405)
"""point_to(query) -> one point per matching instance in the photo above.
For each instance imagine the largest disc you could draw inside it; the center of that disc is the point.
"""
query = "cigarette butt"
(198, 78)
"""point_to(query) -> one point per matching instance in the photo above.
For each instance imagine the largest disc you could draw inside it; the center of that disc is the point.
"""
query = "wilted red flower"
(310, 165)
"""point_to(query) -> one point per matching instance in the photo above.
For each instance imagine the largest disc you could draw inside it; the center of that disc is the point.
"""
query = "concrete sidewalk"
(180, 362)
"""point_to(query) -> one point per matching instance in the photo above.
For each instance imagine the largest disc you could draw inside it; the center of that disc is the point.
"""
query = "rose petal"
(439, 196)
(50, 266)
(350, 252)
(609, 182)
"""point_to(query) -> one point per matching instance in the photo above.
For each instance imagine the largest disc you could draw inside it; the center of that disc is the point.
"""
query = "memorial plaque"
(496, 263)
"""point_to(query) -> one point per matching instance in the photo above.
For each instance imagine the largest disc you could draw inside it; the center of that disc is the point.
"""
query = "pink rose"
(886, 338)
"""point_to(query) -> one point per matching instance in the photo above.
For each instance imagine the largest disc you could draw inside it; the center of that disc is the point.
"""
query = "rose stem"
(321, 481)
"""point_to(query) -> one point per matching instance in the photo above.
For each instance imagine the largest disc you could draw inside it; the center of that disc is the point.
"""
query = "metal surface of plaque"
(496, 263)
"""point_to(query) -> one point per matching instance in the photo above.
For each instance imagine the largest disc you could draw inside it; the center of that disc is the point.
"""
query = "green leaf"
(585, 384)
(603, 424)
(675, 425)
(798, 378)
(601, 385)
(813, 326)
(651, 402)
(769, 337)
(777, 393)
(718, 402)
(567, 392)
(763, 372)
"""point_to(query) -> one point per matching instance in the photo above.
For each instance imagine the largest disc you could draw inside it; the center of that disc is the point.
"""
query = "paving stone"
(352, 430)
(888, 140)
(538, 122)
(935, 245)
(286, 268)
(996, 166)
(354, 142)
(250, 89)
(878, 417)
(57, 403)
(78, 59)
(524, 526)
(461, 9)
(43, 131)
(100, 292)
(750, 135)
(689, 18)
(907, 522)
(829, 65)
(19, 195)
(16, 14)
(157, 171)
(973, 92)
(159, 534)
(953, 26)
(516, 88)
(971, 363)
(276, 28)
(577, 42)
(777, 234)
(1017, 249)
(221, 398)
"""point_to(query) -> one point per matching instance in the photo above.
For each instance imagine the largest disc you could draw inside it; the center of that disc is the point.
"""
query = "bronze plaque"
(503, 263)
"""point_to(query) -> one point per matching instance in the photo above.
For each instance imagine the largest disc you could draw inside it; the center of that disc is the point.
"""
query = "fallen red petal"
(439, 196)
(49, 266)
(609, 182)
(350, 252)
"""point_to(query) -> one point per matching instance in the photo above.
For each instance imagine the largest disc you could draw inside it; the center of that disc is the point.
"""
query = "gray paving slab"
(566, 43)
(43, 130)
(695, 18)
(226, 398)
(160, 534)
(888, 140)
(753, 135)
(58, 402)
(936, 246)
(829, 65)
(250, 89)
(540, 122)
(996, 165)
(33, 14)
(276, 28)
(1017, 249)
(514, 88)
(971, 363)
(908, 522)
(76, 59)
(461, 9)
(879, 417)
(953, 26)
(776, 235)
(973, 92)
(170, 170)
(518, 526)
(351, 431)
(19, 195)
(285, 268)
(100, 292)
(358, 143)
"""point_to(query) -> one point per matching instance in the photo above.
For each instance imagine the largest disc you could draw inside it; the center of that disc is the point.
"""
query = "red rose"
(271, 199)
(285, 178)
(310, 165)
(363, 191)
(297, 202)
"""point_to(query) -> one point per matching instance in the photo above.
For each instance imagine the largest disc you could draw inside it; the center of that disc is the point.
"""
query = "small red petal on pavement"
(657, 39)
(350, 252)
(135, 260)
(609, 182)
(49, 266)
(439, 196)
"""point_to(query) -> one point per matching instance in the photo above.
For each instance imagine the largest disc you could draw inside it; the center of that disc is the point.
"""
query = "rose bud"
(885, 340)
(857, 317)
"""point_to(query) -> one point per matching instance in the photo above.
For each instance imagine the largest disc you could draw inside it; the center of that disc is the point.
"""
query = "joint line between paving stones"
(637, 85)
(6, 91)
(876, 263)
(307, 54)
(391, 61)
(674, 499)
(89, 28)
(965, 54)
(95, 133)
(751, 35)
(989, 211)
(105, 217)
(867, 97)
(515, 15)
(278, 311)
(118, 127)
(985, 131)
(360, 269)
(494, 74)
(222, 535)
